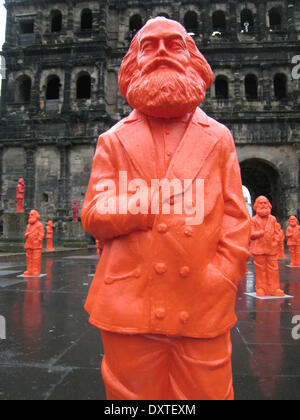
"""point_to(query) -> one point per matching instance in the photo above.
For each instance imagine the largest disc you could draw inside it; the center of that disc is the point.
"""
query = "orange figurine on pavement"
(20, 195)
(49, 236)
(165, 194)
(34, 244)
(281, 249)
(265, 237)
(293, 236)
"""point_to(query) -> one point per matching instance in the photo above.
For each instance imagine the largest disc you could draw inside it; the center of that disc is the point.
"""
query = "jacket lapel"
(136, 137)
(195, 147)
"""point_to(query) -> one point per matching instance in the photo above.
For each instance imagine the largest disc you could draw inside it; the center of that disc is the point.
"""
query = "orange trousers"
(158, 367)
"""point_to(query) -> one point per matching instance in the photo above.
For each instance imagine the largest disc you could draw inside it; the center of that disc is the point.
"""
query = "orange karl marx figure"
(20, 195)
(265, 237)
(34, 244)
(49, 236)
(293, 236)
(164, 293)
(281, 250)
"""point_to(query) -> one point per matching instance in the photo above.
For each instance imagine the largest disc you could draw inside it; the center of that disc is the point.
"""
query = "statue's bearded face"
(165, 84)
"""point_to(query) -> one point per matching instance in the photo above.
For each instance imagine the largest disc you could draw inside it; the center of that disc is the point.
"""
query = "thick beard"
(166, 93)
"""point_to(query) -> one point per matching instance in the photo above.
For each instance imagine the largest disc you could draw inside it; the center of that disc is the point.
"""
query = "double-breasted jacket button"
(160, 268)
(184, 316)
(137, 273)
(162, 228)
(184, 271)
(188, 231)
(160, 313)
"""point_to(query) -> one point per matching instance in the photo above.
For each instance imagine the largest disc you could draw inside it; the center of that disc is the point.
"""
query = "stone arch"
(280, 83)
(23, 89)
(261, 177)
(135, 24)
(191, 22)
(222, 87)
(53, 88)
(247, 21)
(251, 87)
(219, 21)
(275, 18)
(56, 21)
(83, 85)
(86, 20)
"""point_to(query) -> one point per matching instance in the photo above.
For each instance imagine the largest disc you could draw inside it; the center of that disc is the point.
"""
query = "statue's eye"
(147, 46)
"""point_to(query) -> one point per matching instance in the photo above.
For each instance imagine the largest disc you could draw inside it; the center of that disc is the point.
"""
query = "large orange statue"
(49, 236)
(20, 195)
(265, 237)
(165, 289)
(34, 244)
(293, 236)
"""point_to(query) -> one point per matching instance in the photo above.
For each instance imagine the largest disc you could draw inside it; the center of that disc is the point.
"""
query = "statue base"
(74, 235)
(14, 227)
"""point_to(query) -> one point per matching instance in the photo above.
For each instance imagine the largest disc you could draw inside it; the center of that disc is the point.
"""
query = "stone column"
(261, 19)
(30, 150)
(67, 88)
(63, 188)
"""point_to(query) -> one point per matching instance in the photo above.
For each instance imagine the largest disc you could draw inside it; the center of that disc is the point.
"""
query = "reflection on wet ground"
(51, 352)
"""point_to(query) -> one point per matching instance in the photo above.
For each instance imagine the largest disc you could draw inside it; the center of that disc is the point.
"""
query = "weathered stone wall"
(51, 143)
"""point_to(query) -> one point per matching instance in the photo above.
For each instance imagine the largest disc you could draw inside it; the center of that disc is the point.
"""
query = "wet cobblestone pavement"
(52, 353)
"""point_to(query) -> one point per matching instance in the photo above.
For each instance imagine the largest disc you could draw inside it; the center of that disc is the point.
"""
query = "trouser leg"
(37, 261)
(292, 249)
(260, 263)
(158, 367)
(273, 273)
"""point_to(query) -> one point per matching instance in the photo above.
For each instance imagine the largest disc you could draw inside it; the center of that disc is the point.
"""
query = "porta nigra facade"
(60, 92)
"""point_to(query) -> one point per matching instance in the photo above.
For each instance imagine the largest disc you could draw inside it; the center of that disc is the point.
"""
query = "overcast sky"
(2, 23)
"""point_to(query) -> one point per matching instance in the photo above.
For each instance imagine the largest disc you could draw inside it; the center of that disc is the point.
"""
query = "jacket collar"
(199, 117)
(195, 146)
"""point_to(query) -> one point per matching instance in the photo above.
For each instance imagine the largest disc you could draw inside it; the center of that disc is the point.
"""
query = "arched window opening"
(24, 90)
(191, 22)
(86, 20)
(84, 87)
(219, 21)
(53, 88)
(135, 24)
(275, 19)
(56, 21)
(280, 86)
(222, 88)
(247, 21)
(251, 87)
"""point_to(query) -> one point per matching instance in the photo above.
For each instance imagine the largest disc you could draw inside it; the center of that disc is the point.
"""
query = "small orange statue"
(152, 295)
(265, 237)
(34, 244)
(281, 250)
(75, 209)
(20, 195)
(293, 236)
(49, 236)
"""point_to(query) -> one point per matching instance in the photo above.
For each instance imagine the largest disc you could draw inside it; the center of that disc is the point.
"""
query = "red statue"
(265, 237)
(166, 287)
(20, 195)
(293, 236)
(75, 208)
(49, 236)
(34, 244)
(281, 250)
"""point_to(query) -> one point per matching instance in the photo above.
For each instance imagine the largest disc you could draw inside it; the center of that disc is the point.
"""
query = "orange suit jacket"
(268, 244)
(36, 235)
(172, 279)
